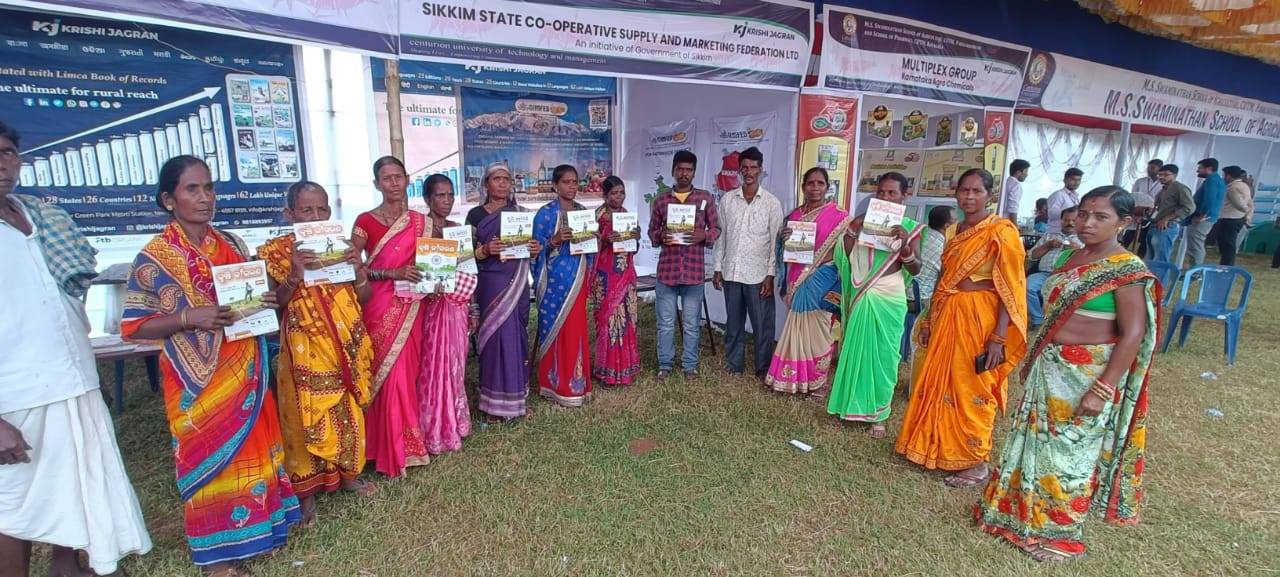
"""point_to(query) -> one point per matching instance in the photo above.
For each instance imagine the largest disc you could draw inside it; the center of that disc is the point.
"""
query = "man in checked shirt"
(682, 265)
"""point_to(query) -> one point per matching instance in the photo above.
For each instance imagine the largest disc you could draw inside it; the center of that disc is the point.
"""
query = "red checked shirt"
(679, 264)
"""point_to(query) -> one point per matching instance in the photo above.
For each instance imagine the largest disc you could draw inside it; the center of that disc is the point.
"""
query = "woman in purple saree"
(502, 293)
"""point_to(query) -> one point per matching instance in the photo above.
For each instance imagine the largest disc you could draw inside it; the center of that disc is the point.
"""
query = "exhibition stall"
(932, 102)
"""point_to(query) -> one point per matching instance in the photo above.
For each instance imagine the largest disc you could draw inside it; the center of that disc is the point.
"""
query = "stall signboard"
(827, 136)
(873, 53)
(429, 114)
(532, 133)
(1061, 83)
(763, 43)
(101, 105)
(369, 26)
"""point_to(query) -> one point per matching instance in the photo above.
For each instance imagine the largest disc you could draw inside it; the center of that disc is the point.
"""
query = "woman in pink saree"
(388, 234)
(449, 319)
(802, 358)
(616, 357)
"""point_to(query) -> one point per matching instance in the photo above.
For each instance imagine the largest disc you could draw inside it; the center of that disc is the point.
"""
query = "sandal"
(877, 432)
(962, 481)
(1045, 555)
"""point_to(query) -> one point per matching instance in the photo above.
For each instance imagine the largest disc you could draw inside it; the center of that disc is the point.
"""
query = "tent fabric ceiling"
(1246, 27)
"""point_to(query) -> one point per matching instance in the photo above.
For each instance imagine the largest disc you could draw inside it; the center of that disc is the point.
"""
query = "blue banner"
(439, 78)
(532, 133)
(101, 105)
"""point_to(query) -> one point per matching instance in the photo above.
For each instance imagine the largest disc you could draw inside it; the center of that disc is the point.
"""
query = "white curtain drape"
(1052, 148)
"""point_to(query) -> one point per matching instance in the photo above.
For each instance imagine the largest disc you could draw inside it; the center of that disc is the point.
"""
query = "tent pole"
(1122, 156)
(394, 123)
(1262, 167)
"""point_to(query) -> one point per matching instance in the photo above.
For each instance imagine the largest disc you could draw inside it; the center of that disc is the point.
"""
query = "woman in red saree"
(238, 501)
(617, 353)
(388, 234)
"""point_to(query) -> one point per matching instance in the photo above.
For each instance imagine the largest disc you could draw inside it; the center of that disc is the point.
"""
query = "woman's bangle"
(182, 320)
(362, 283)
(911, 260)
(482, 253)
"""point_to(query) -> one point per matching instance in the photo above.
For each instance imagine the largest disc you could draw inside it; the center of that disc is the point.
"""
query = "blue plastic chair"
(1167, 274)
(1211, 304)
(912, 312)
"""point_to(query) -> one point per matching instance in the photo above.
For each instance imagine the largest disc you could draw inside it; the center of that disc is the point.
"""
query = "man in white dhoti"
(62, 481)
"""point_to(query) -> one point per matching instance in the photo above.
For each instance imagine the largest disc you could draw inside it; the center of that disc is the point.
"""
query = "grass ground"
(724, 494)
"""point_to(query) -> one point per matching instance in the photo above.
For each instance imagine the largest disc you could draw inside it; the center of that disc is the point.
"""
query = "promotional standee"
(936, 102)
(827, 136)
(102, 105)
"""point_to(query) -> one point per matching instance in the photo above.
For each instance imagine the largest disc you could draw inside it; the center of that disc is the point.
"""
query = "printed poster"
(877, 162)
(532, 133)
(733, 134)
(661, 144)
(942, 169)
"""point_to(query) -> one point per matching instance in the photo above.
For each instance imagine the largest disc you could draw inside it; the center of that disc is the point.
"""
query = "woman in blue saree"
(563, 354)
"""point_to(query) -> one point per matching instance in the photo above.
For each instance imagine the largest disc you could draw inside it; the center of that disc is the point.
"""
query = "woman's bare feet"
(66, 563)
(226, 570)
(877, 431)
(308, 506)
(359, 487)
(972, 477)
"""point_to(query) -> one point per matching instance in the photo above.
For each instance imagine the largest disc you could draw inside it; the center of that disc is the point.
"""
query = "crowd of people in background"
(367, 374)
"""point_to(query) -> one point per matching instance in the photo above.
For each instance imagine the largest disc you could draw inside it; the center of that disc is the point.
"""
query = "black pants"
(743, 301)
(1228, 231)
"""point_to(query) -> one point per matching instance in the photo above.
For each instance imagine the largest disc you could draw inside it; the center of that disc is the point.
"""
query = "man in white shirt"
(750, 218)
(1144, 193)
(1018, 170)
(62, 481)
(1064, 198)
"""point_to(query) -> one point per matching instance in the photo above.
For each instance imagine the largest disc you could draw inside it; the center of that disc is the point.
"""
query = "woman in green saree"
(1078, 439)
(873, 310)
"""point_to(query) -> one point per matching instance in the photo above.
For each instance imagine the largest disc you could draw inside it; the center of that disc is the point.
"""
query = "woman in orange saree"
(388, 234)
(238, 501)
(976, 333)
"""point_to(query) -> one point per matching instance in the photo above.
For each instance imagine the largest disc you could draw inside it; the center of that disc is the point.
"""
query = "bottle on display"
(75, 167)
(89, 158)
(106, 169)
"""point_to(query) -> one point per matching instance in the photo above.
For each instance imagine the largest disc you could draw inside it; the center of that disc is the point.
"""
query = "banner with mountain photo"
(532, 133)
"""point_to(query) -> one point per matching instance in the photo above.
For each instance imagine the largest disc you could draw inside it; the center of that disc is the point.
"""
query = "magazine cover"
(326, 239)
(466, 247)
(517, 231)
(241, 286)
(877, 225)
(584, 226)
(627, 225)
(800, 246)
(437, 260)
(680, 222)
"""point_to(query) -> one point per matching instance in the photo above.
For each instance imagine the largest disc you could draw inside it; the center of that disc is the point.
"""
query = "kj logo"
(50, 28)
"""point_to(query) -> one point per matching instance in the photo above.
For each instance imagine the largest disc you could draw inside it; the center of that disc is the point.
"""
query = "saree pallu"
(445, 415)
(238, 501)
(873, 319)
(952, 409)
(563, 352)
(323, 378)
(616, 358)
(1055, 467)
(502, 292)
(802, 358)
(394, 438)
